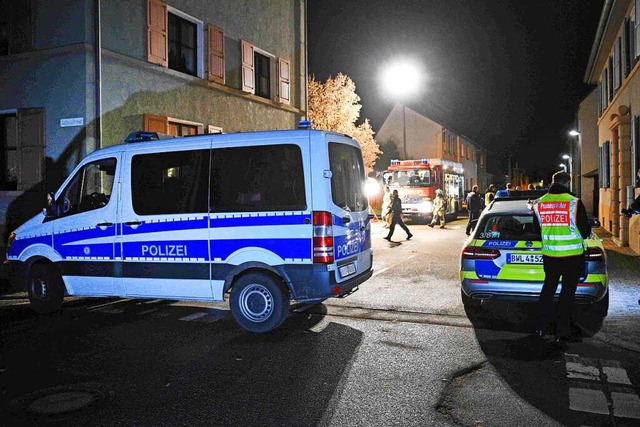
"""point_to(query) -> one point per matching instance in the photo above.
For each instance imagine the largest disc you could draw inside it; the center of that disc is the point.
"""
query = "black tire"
(601, 308)
(258, 304)
(45, 288)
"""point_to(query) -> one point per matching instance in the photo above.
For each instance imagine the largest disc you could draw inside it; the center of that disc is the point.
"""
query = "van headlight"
(426, 206)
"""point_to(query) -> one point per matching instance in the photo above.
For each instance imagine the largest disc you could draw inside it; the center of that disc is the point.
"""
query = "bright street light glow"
(574, 132)
(566, 156)
(402, 80)
(563, 166)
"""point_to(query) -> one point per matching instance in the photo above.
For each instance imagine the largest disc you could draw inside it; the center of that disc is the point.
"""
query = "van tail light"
(594, 254)
(322, 238)
(475, 252)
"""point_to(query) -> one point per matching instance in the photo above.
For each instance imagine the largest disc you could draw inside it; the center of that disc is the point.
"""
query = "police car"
(270, 219)
(502, 259)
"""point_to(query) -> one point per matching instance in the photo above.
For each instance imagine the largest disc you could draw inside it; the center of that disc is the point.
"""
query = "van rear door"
(349, 208)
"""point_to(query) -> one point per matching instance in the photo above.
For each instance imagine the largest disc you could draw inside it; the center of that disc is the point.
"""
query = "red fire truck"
(418, 180)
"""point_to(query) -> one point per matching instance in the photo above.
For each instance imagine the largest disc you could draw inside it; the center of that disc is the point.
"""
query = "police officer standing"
(564, 225)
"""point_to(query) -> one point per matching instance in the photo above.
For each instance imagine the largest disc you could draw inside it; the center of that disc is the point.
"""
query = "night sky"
(507, 74)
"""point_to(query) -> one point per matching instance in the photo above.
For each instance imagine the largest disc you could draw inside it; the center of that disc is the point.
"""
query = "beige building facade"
(418, 137)
(614, 67)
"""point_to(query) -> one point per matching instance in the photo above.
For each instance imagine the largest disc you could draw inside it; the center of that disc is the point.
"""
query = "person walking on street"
(564, 225)
(439, 207)
(396, 217)
(490, 195)
(386, 203)
(475, 204)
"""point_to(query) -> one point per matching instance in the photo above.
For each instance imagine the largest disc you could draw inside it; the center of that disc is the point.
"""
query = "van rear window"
(259, 178)
(348, 177)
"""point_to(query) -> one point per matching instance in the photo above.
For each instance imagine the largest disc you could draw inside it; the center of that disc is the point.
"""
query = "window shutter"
(157, 24)
(616, 66)
(156, 123)
(248, 71)
(215, 56)
(284, 81)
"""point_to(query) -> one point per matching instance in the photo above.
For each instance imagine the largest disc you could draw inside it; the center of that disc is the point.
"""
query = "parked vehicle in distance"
(502, 259)
(274, 218)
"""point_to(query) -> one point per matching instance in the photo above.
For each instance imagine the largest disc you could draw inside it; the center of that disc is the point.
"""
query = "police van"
(270, 219)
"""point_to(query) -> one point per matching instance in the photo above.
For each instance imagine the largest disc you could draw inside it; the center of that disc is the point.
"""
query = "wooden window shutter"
(157, 27)
(284, 81)
(156, 123)
(215, 55)
(248, 71)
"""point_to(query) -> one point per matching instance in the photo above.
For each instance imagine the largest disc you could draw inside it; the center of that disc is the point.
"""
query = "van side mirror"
(594, 223)
(49, 210)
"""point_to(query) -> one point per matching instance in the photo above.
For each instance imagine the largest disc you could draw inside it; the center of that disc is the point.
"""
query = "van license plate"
(347, 270)
(524, 259)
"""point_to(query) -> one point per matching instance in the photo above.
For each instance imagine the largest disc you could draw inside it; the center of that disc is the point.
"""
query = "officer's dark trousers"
(472, 215)
(570, 268)
(397, 220)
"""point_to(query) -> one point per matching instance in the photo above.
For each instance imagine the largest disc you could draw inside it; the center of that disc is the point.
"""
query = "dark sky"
(508, 74)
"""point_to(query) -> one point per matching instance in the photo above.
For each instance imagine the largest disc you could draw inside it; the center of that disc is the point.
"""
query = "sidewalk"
(621, 327)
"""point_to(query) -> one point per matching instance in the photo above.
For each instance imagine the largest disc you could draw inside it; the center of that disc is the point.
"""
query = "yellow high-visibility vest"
(557, 214)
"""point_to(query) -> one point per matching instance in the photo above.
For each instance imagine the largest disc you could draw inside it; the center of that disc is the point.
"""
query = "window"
(170, 183)
(262, 75)
(348, 177)
(175, 40)
(604, 165)
(260, 178)
(610, 81)
(617, 70)
(627, 46)
(182, 45)
(89, 189)
(9, 163)
(16, 33)
(258, 75)
(635, 151)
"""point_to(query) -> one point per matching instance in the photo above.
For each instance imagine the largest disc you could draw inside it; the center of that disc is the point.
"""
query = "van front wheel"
(45, 288)
(258, 304)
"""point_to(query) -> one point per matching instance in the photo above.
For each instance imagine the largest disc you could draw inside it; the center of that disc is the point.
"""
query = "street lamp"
(563, 166)
(402, 80)
(574, 132)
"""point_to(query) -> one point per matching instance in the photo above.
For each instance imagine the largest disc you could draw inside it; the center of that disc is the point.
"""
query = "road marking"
(587, 400)
(112, 311)
(610, 393)
(626, 405)
(616, 375)
(142, 313)
(320, 326)
(580, 371)
(382, 270)
(96, 307)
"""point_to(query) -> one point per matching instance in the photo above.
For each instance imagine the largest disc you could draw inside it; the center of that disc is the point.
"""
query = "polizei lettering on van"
(164, 250)
(348, 248)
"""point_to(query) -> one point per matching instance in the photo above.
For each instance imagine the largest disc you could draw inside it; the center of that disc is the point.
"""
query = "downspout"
(98, 73)
(303, 56)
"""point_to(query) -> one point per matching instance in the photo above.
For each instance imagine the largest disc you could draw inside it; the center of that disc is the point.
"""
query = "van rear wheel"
(45, 288)
(258, 304)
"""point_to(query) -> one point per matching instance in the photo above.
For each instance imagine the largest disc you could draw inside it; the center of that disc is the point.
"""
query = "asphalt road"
(400, 351)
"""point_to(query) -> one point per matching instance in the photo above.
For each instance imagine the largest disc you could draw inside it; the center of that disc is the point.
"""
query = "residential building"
(613, 67)
(418, 137)
(584, 154)
(79, 75)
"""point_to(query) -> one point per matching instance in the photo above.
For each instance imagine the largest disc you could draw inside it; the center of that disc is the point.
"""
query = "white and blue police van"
(272, 220)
